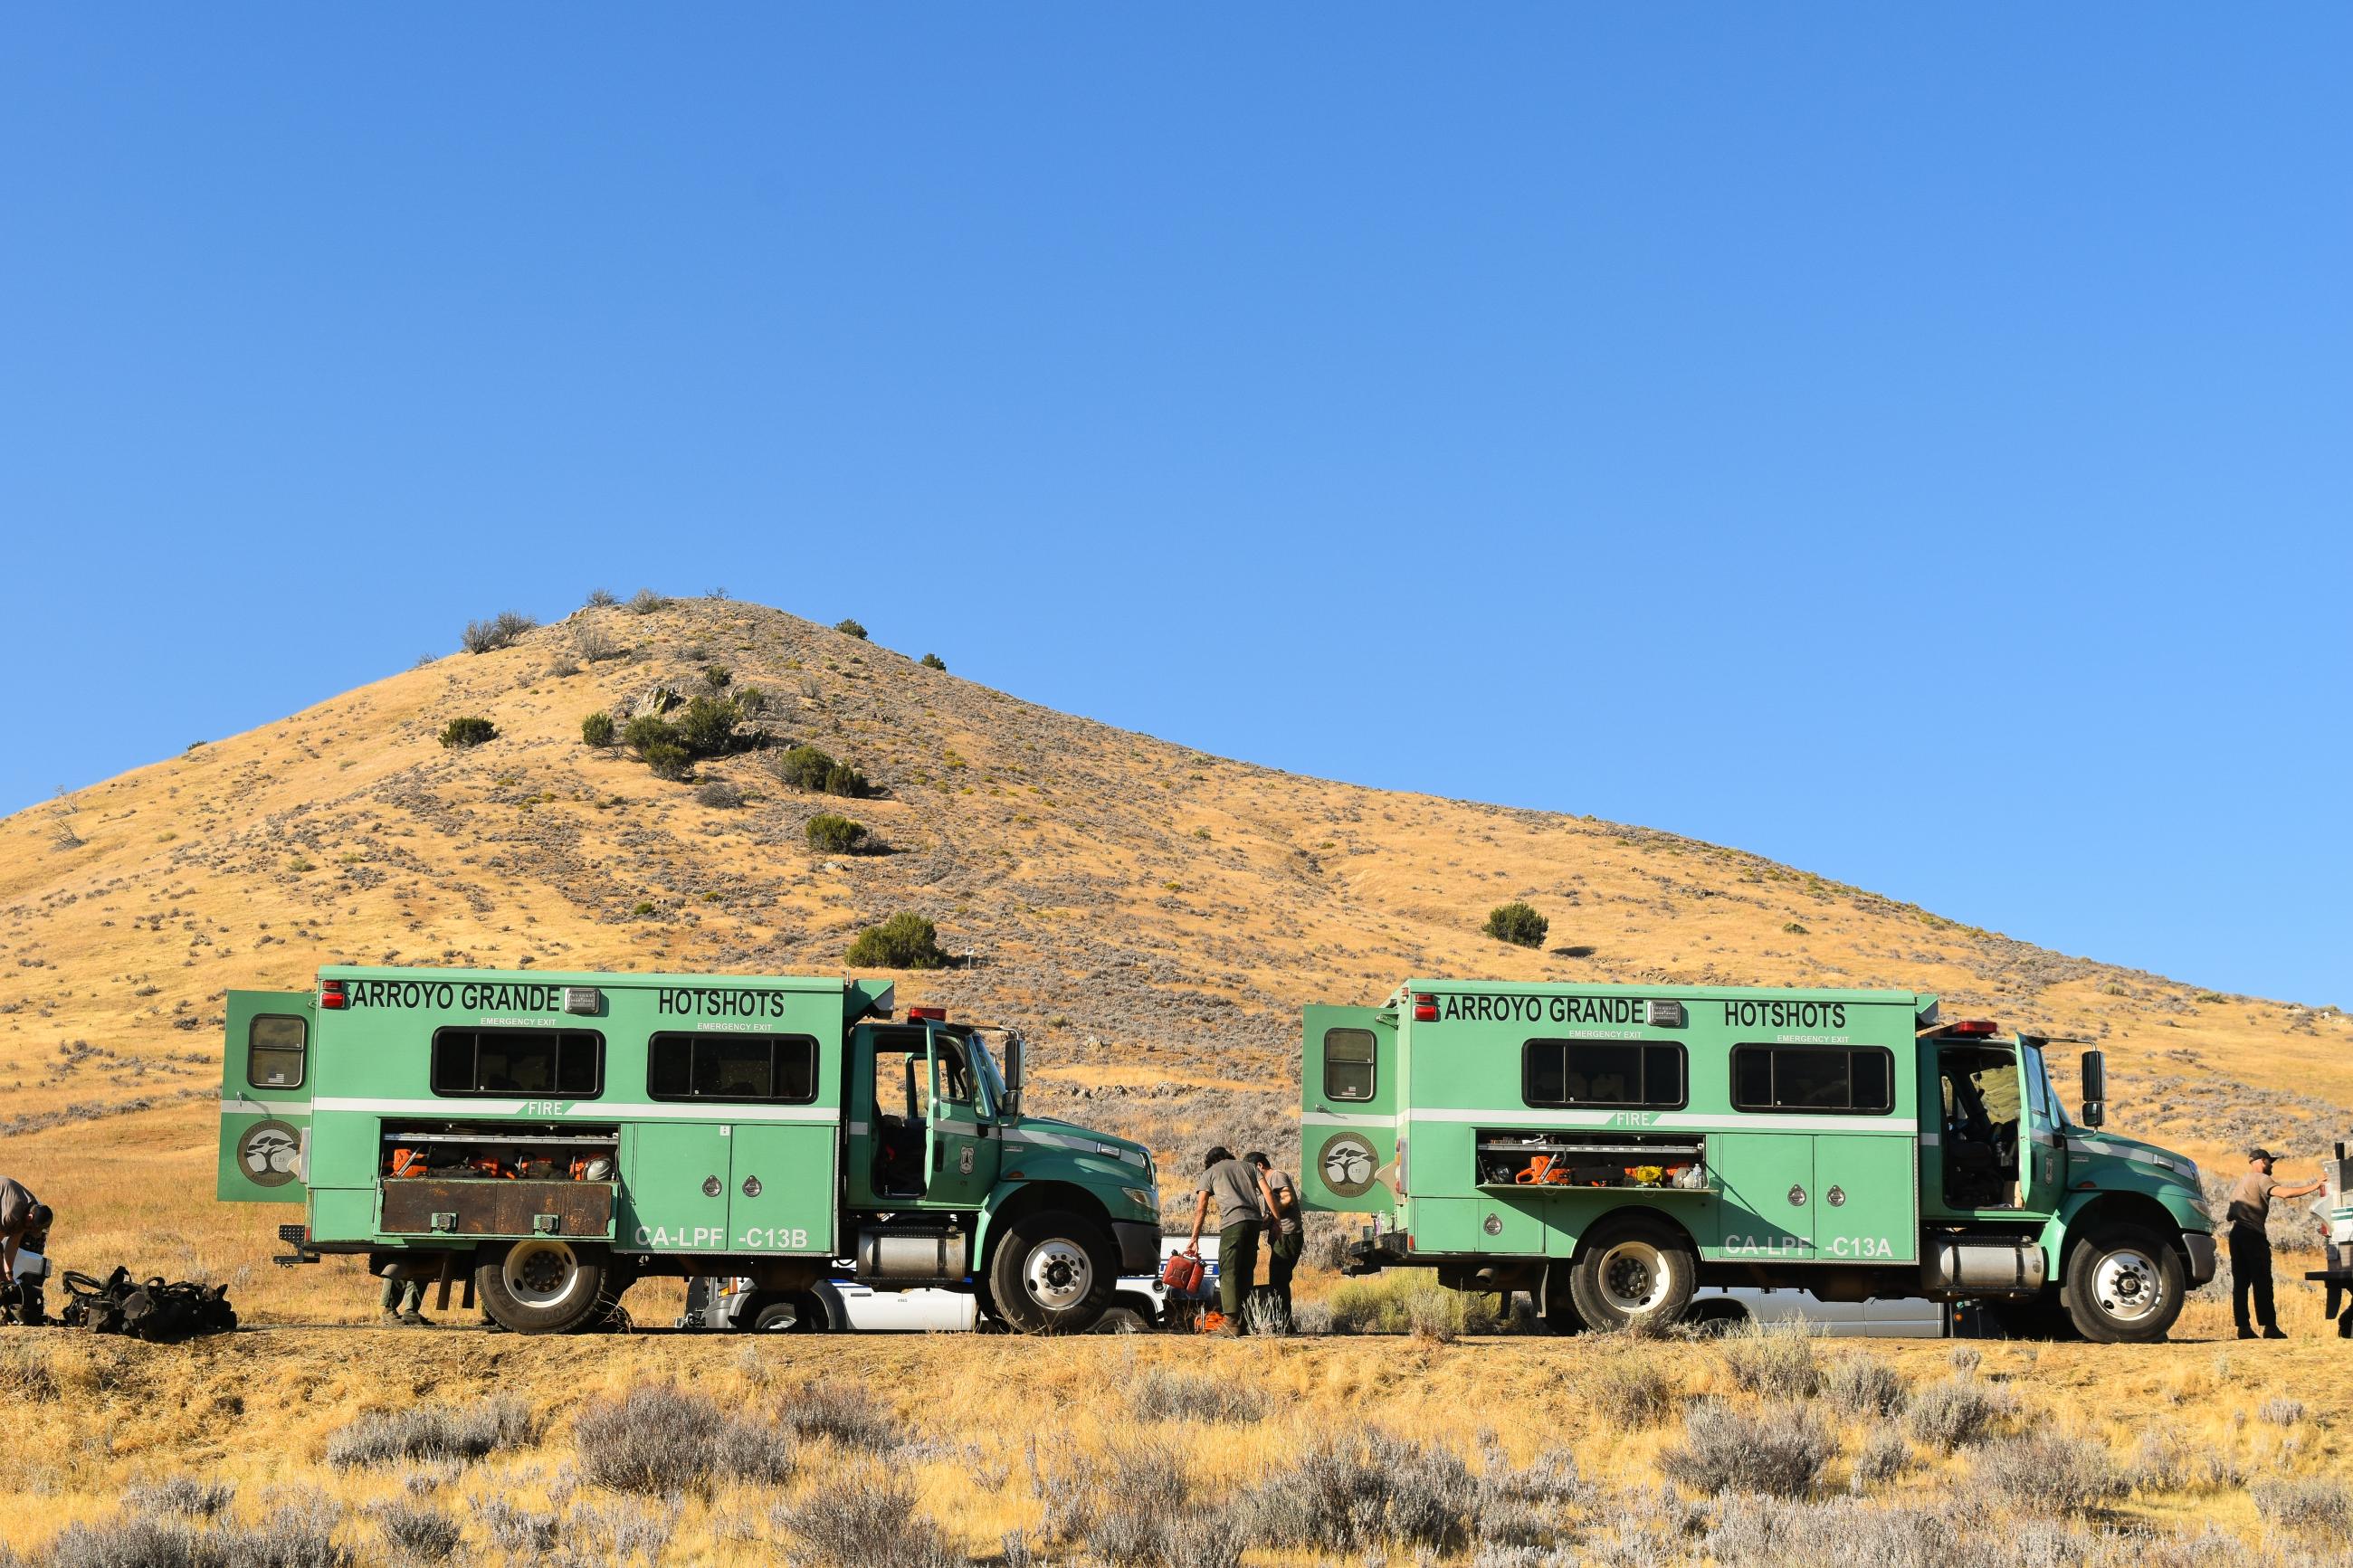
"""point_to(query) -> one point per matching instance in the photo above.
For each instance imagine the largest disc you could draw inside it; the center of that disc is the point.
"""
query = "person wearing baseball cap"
(2251, 1245)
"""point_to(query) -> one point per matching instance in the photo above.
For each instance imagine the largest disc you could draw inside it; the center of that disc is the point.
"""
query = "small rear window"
(275, 1048)
(1812, 1078)
(778, 1070)
(1348, 1064)
(567, 1063)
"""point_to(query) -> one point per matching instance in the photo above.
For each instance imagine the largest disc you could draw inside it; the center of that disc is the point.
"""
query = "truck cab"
(1613, 1149)
(548, 1139)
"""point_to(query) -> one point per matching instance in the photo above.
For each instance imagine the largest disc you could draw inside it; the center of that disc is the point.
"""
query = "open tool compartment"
(499, 1179)
(1522, 1158)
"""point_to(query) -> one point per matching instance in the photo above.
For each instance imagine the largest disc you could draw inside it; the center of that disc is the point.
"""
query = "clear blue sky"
(1912, 445)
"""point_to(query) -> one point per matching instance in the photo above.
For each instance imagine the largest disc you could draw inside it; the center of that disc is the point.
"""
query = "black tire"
(794, 1315)
(1633, 1270)
(1120, 1321)
(549, 1286)
(1052, 1273)
(2124, 1285)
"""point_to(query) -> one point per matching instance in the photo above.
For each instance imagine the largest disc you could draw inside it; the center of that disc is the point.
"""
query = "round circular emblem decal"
(267, 1152)
(1347, 1163)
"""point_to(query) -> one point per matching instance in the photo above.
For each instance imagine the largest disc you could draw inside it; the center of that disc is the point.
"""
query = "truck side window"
(773, 1069)
(1602, 1072)
(1813, 1078)
(569, 1063)
(1347, 1064)
(274, 1050)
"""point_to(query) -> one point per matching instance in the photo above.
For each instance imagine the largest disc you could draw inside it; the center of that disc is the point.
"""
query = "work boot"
(392, 1320)
(2245, 1332)
(2272, 1332)
(2344, 1327)
(416, 1319)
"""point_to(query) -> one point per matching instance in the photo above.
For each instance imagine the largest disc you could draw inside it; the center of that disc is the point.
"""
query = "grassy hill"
(1152, 917)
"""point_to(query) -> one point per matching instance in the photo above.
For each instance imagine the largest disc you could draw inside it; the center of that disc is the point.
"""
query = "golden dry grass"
(259, 1409)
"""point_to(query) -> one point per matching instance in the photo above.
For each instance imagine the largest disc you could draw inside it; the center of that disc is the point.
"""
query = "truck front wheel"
(2124, 1285)
(1052, 1274)
(548, 1286)
(1636, 1271)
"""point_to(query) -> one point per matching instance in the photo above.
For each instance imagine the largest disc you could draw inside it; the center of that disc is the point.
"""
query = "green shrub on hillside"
(669, 759)
(1518, 925)
(647, 729)
(850, 628)
(597, 729)
(831, 835)
(905, 940)
(459, 733)
(646, 601)
(804, 767)
(717, 677)
(933, 661)
(847, 782)
(706, 727)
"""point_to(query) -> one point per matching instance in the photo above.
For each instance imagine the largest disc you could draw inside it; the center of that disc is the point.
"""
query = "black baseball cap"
(2260, 1152)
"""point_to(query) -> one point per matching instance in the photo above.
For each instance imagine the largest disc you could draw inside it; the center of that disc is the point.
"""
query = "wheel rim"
(1633, 1277)
(2128, 1286)
(1057, 1274)
(543, 1273)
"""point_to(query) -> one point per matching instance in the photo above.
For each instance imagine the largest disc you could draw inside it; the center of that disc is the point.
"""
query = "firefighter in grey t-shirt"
(1243, 1204)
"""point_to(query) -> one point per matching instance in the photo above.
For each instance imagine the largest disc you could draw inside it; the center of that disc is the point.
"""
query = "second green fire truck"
(548, 1139)
(1610, 1148)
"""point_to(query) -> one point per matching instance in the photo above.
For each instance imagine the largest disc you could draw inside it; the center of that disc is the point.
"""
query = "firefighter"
(1289, 1238)
(1243, 1204)
(2251, 1245)
(24, 1222)
(404, 1303)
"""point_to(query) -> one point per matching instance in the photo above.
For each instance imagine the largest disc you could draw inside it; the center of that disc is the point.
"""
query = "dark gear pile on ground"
(148, 1309)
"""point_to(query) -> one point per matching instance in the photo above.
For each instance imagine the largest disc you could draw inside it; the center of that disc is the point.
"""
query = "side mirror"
(1013, 1065)
(2095, 1088)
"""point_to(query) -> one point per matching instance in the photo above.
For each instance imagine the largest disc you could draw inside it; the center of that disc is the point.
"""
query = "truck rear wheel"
(1634, 1272)
(545, 1285)
(2124, 1285)
(1052, 1274)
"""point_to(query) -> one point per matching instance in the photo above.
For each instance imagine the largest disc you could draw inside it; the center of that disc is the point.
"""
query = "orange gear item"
(409, 1163)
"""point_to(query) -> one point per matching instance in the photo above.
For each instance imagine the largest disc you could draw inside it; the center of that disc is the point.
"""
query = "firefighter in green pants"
(404, 1303)
(1243, 1204)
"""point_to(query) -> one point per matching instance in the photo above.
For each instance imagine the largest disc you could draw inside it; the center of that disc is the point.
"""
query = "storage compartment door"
(675, 1199)
(782, 1197)
(1768, 1206)
(1865, 1212)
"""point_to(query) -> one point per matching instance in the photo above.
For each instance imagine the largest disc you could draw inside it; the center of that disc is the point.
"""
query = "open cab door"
(265, 1104)
(1347, 1113)
(958, 1151)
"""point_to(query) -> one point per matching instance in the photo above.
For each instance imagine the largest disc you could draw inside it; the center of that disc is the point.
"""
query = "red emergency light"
(331, 993)
(1425, 1008)
(936, 1015)
(1973, 1027)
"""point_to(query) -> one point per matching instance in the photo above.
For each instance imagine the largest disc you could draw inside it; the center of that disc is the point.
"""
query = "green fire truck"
(1608, 1148)
(547, 1139)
